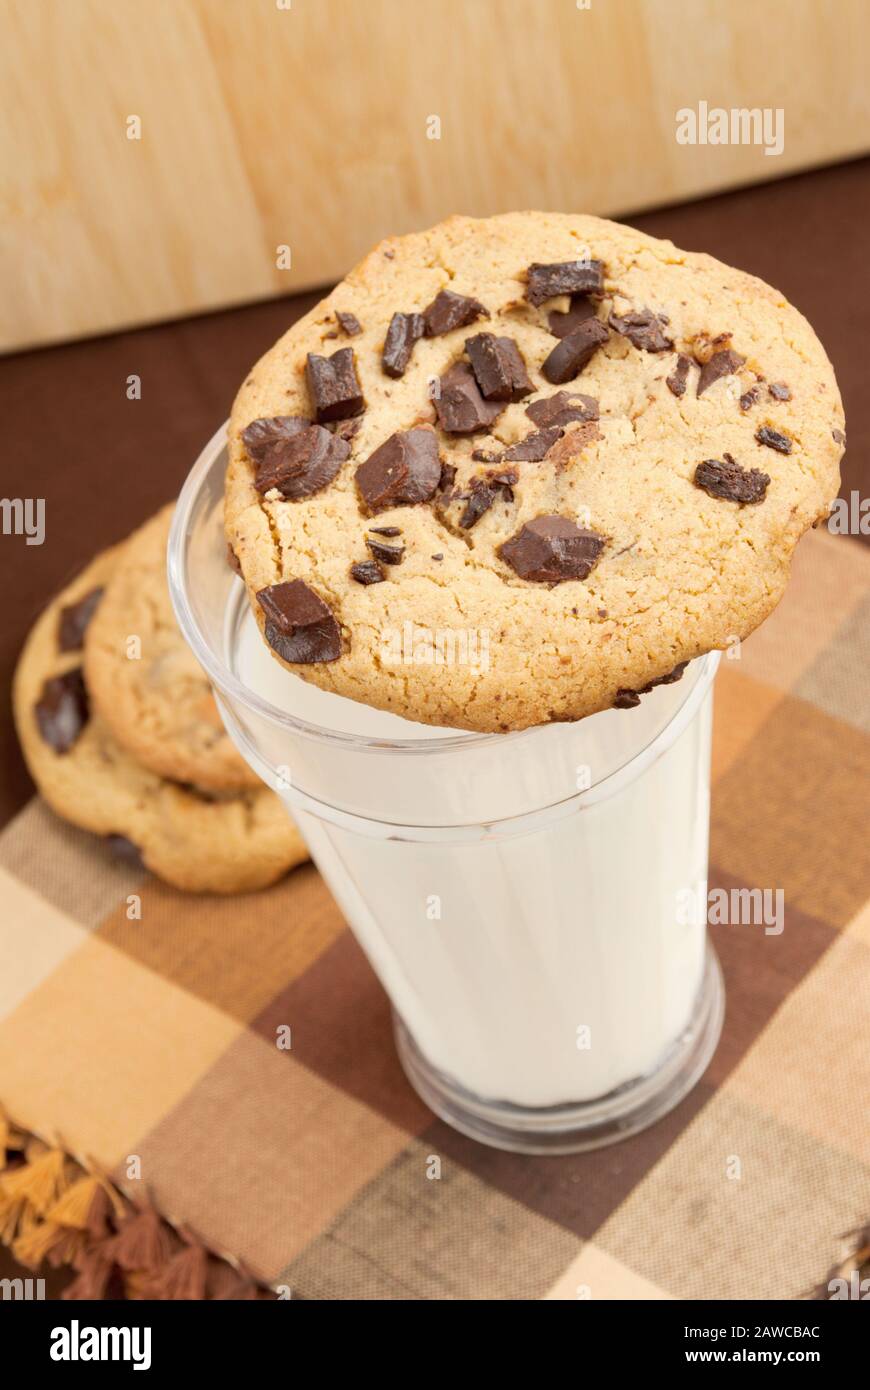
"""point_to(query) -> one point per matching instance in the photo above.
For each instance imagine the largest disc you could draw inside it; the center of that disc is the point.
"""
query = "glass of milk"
(534, 903)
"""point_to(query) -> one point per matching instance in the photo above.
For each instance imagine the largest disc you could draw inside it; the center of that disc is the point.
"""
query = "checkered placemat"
(154, 1038)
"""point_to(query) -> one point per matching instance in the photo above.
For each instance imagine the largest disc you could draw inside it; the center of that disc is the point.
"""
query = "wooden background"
(307, 126)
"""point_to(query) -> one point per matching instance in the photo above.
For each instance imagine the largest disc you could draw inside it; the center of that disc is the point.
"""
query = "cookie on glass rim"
(545, 436)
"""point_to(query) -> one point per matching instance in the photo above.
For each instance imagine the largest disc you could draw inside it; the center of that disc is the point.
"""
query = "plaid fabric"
(157, 1038)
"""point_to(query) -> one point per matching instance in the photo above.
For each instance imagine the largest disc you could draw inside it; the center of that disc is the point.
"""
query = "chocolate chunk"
(62, 709)
(483, 492)
(773, 439)
(233, 559)
(301, 465)
(439, 556)
(572, 443)
(779, 391)
(402, 471)
(629, 699)
(460, 407)
(334, 386)
(348, 323)
(367, 572)
(562, 408)
(74, 620)
(643, 329)
(551, 549)
(839, 437)
(387, 554)
(260, 435)
(731, 482)
(676, 382)
(402, 334)
(498, 367)
(571, 355)
(723, 363)
(345, 429)
(563, 277)
(748, 399)
(300, 627)
(448, 311)
(124, 849)
(480, 499)
(448, 477)
(385, 530)
(534, 447)
(561, 324)
(485, 455)
(504, 481)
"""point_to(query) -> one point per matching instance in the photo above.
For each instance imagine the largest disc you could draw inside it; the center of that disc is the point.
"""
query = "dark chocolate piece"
(402, 471)
(302, 464)
(448, 477)
(563, 277)
(483, 492)
(562, 408)
(643, 329)
(480, 498)
(260, 435)
(748, 399)
(779, 391)
(367, 572)
(726, 479)
(571, 355)
(348, 323)
(498, 367)
(572, 443)
(629, 699)
(74, 621)
(402, 334)
(551, 549)
(385, 530)
(300, 627)
(721, 364)
(345, 429)
(534, 447)
(334, 386)
(387, 554)
(773, 439)
(449, 310)
(676, 382)
(62, 709)
(838, 437)
(561, 324)
(460, 407)
(439, 556)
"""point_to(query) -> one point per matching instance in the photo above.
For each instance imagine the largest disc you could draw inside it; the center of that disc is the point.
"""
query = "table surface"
(104, 463)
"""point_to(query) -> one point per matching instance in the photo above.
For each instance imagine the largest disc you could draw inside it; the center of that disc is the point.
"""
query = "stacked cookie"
(122, 736)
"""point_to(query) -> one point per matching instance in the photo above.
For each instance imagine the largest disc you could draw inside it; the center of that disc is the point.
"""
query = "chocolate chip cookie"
(549, 438)
(144, 682)
(225, 842)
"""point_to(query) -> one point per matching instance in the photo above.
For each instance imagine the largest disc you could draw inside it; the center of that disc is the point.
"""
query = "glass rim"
(234, 690)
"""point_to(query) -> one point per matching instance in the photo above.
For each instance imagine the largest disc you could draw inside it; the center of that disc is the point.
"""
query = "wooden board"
(307, 127)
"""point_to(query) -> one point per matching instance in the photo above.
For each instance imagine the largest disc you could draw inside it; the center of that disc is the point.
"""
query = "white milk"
(542, 969)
